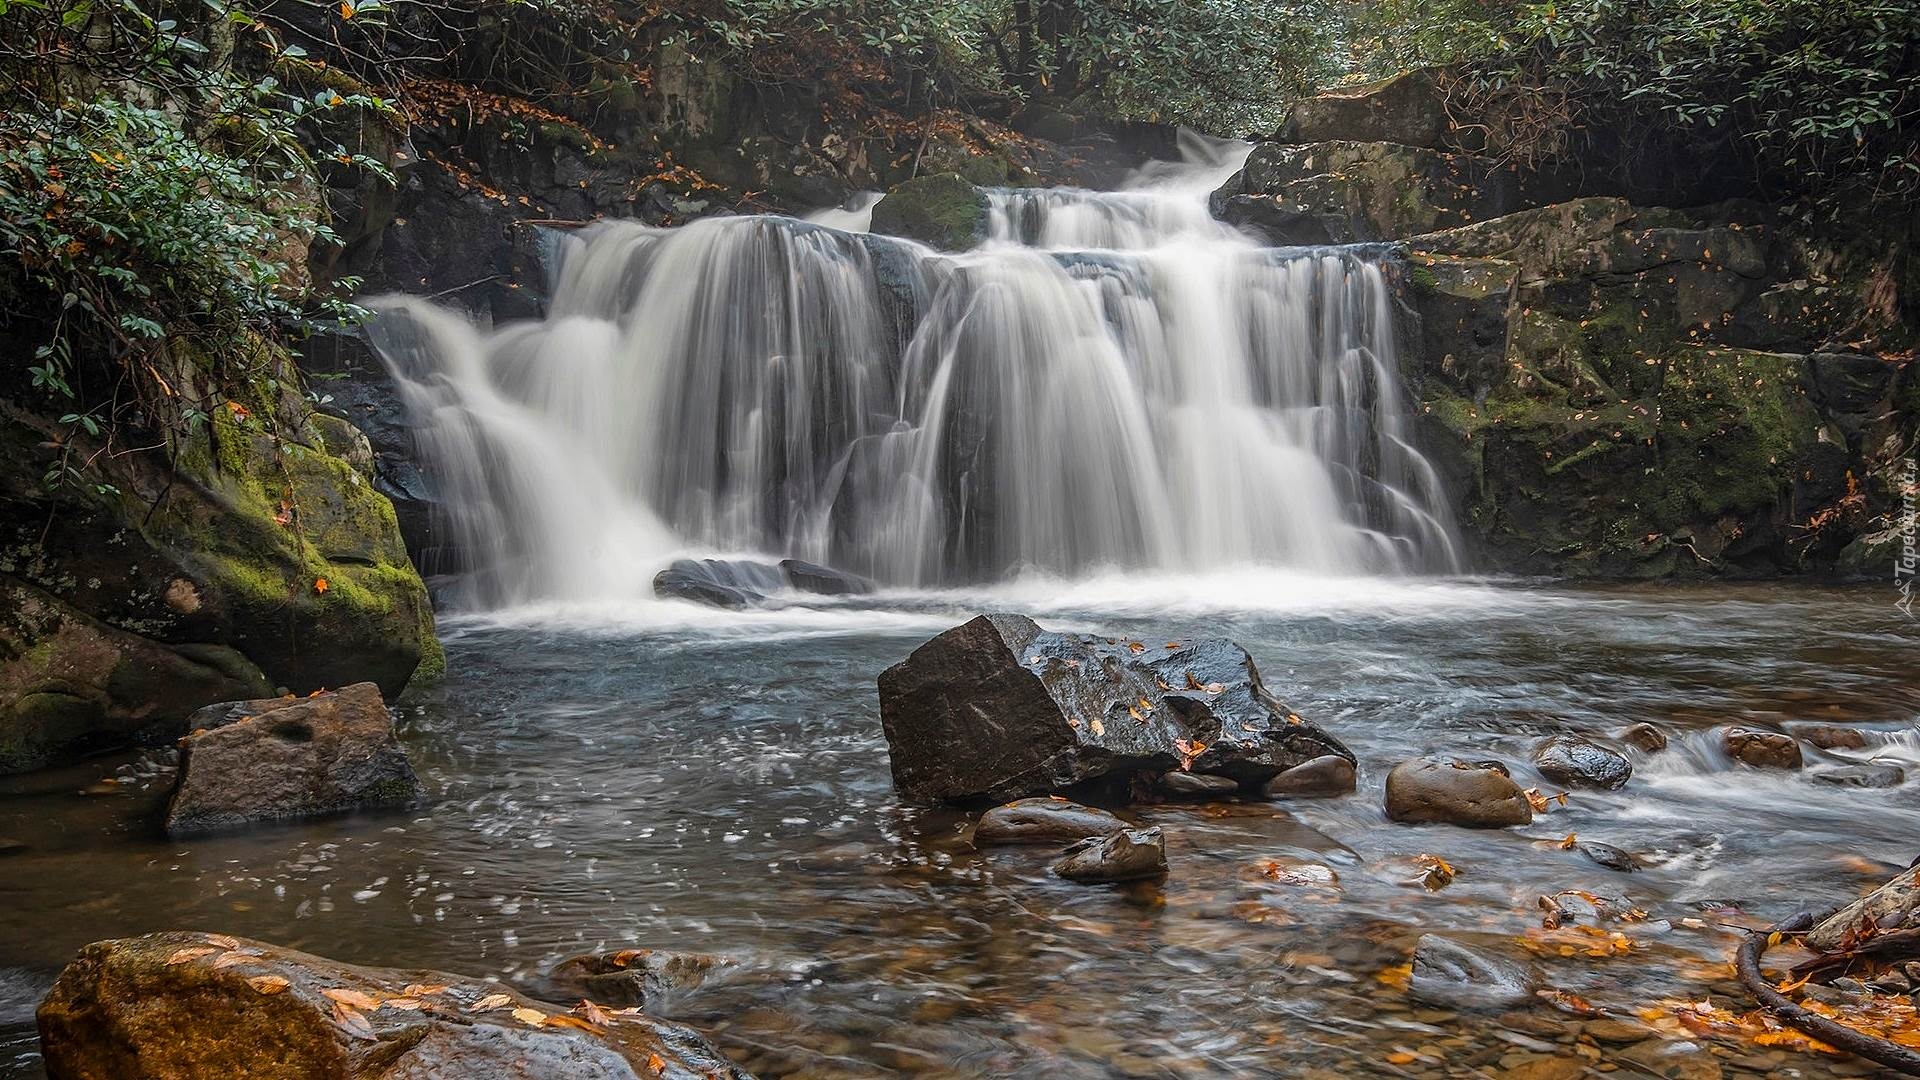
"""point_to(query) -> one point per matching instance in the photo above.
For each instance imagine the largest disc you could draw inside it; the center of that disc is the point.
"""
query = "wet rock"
(943, 211)
(1323, 777)
(809, 577)
(1126, 855)
(1607, 855)
(744, 583)
(1893, 906)
(302, 758)
(10, 846)
(1194, 785)
(1831, 736)
(1645, 737)
(1866, 775)
(722, 583)
(1671, 1060)
(1761, 749)
(1575, 762)
(1404, 109)
(999, 708)
(650, 978)
(182, 1006)
(1449, 973)
(1043, 821)
(1476, 794)
(1615, 1031)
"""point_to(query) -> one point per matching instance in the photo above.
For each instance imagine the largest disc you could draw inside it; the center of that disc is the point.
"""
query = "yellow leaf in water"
(530, 1016)
(268, 984)
(1146, 706)
(491, 1001)
(1569, 843)
(1136, 647)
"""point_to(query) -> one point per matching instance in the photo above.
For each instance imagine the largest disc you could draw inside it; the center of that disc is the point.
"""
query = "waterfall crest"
(1114, 381)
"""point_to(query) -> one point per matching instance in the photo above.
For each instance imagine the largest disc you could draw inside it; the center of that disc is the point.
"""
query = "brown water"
(719, 783)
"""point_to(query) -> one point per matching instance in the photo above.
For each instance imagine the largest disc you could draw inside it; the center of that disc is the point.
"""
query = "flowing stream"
(1116, 415)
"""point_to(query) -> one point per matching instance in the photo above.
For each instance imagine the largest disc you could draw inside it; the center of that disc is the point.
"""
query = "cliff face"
(1621, 388)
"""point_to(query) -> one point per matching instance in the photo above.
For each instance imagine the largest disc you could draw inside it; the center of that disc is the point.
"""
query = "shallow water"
(667, 776)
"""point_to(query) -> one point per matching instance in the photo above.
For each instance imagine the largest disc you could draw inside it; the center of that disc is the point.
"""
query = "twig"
(1747, 963)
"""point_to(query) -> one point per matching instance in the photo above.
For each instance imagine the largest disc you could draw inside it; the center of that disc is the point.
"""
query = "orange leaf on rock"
(319, 585)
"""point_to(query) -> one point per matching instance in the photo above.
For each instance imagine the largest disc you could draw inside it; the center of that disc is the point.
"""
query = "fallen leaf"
(222, 941)
(191, 953)
(595, 1013)
(352, 1021)
(533, 1017)
(1136, 647)
(355, 998)
(491, 1001)
(656, 1065)
(319, 585)
(268, 984)
(562, 1020)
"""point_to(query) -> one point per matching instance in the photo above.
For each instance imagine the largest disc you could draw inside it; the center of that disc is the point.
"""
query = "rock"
(1125, 855)
(304, 758)
(1893, 906)
(1864, 775)
(1199, 785)
(183, 1006)
(1476, 794)
(1761, 749)
(744, 583)
(1043, 821)
(1645, 737)
(1607, 855)
(998, 708)
(10, 846)
(1575, 762)
(1405, 109)
(1616, 1032)
(942, 211)
(1323, 777)
(810, 578)
(1449, 973)
(1830, 736)
(1671, 1060)
(719, 583)
(1333, 192)
(649, 978)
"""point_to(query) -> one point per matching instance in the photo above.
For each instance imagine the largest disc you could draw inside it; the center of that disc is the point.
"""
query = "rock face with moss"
(943, 211)
(182, 1006)
(1613, 389)
(240, 558)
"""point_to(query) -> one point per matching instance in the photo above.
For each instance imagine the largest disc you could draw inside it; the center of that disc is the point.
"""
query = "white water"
(1115, 384)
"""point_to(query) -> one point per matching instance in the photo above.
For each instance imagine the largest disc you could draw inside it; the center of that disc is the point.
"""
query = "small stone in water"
(1043, 821)
(1608, 856)
(1645, 737)
(1761, 749)
(1868, 775)
(1120, 856)
(1446, 972)
(1575, 762)
(1198, 785)
(1322, 777)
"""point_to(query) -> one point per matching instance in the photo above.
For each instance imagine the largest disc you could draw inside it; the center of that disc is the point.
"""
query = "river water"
(667, 776)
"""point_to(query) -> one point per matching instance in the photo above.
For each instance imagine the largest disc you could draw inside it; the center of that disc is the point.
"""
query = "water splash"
(1114, 382)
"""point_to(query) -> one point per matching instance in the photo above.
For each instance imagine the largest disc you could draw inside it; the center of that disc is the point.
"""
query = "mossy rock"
(243, 561)
(943, 211)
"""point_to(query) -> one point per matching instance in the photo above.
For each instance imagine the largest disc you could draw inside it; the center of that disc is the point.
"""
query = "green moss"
(943, 210)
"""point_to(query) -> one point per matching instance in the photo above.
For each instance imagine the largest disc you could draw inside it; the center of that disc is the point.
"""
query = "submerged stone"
(1761, 749)
(1126, 855)
(1043, 821)
(999, 708)
(284, 759)
(744, 583)
(1863, 775)
(650, 978)
(188, 1006)
(1645, 737)
(1192, 785)
(1323, 777)
(1607, 855)
(1449, 973)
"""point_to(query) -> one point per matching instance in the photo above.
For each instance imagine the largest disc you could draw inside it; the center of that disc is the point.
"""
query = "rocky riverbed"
(718, 784)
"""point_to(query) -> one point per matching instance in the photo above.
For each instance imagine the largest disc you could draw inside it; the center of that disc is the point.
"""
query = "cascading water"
(1114, 381)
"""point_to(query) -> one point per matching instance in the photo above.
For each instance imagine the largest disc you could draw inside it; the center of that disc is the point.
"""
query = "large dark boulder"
(188, 1006)
(943, 211)
(1405, 109)
(287, 759)
(743, 583)
(999, 708)
(1576, 762)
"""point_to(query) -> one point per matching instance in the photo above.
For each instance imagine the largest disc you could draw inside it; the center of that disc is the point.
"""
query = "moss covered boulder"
(238, 558)
(942, 211)
(186, 1006)
(1338, 192)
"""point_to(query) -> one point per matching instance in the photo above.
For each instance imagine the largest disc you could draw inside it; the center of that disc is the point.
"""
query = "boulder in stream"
(1043, 821)
(1866, 774)
(1893, 906)
(1645, 738)
(1761, 749)
(999, 708)
(1575, 762)
(744, 583)
(285, 759)
(1479, 794)
(1126, 855)
(187, 1006)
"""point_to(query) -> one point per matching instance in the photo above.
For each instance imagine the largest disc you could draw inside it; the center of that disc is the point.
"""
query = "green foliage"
(148, 193)
(1827, 90)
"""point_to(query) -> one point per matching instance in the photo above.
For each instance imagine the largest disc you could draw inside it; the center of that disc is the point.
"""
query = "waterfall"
(1115, 380)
